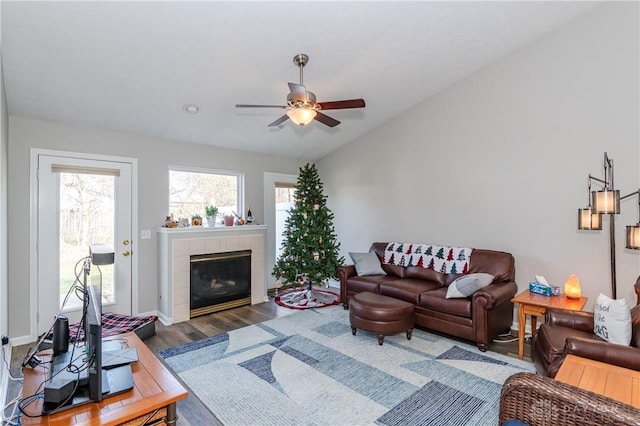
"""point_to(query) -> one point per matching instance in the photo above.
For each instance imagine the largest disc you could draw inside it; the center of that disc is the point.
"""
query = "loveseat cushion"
(550, 341)
(436, 300)
(367, 282)
(396, 270)
(407, 289)
(425, 274)
(497, 263)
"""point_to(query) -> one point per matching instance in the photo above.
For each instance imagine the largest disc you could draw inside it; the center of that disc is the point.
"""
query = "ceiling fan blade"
(348, 103)
(325, 119)
(279, 121)
(259, 106)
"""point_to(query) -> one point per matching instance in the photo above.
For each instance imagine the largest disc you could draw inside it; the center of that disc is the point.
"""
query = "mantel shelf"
(190, 229)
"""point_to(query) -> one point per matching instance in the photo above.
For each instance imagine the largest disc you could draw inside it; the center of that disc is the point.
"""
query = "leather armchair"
(569, 332)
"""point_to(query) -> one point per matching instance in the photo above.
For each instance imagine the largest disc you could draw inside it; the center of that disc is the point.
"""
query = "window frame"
(239, 182)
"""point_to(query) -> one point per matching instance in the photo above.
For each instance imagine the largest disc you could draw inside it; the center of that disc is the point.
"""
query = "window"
(190, 191)
(284, 201)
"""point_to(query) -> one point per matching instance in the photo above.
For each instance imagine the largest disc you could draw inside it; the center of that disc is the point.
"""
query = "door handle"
(126, 253)
(125, 242)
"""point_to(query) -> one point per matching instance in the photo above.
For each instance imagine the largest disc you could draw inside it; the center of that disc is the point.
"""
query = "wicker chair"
(541, 401)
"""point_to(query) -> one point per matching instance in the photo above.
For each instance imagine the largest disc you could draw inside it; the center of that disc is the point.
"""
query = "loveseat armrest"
(344, 273)
(495, 294)
(609, 353)
(539, 400)
(577, 320)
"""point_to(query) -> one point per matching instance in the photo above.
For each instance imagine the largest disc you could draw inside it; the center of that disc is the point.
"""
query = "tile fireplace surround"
(175, 247)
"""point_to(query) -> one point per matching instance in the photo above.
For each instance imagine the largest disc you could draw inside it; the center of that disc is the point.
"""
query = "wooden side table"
(609, 380)
(536, 305)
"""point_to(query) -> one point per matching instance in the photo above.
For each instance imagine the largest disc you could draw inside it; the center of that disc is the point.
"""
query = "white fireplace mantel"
(177, 245)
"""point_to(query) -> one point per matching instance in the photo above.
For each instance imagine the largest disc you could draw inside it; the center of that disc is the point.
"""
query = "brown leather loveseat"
(478, 318)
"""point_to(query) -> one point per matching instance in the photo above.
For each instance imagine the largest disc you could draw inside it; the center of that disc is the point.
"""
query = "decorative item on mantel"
(239, 220)
(196, 220)
(211, 212)
(170, 223)
(249, 216)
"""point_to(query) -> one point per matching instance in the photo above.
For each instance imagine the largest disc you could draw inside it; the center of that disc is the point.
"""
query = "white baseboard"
(165, 320)
(22, 340)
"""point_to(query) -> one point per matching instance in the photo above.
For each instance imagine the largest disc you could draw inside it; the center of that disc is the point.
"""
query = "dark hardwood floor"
(191, 411)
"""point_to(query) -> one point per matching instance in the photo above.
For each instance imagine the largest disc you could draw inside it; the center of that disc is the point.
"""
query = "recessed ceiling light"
(191, 109)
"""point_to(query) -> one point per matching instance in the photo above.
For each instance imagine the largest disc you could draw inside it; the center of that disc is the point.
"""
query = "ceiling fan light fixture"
(301, 116)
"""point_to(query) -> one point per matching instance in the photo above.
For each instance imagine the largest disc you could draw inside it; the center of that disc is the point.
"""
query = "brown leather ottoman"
(380, 314)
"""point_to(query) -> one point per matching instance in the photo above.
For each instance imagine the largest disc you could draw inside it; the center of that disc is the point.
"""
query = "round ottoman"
(380, 315)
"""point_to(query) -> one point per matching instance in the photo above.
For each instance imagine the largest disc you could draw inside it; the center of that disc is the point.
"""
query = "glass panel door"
(81, 202)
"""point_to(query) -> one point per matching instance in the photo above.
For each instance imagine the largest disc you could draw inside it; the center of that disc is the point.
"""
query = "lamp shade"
(572, 287)
(606, 201)
(302, 115)
(633, 237)
(588, 219)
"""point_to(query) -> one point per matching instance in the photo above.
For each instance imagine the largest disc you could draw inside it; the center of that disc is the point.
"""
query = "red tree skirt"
(307, 298)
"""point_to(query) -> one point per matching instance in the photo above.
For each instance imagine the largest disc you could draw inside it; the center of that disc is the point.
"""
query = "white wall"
(501, 160)
(154, 158)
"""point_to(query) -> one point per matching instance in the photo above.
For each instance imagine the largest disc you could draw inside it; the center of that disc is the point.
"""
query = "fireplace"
(220, 281)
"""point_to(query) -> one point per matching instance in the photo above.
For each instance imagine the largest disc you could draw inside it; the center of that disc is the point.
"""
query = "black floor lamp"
(607, 201)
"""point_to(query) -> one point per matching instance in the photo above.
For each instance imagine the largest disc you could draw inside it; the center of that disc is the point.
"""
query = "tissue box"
(545, 290)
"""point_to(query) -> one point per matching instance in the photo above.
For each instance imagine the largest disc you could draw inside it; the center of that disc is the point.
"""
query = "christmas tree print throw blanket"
(443, 259)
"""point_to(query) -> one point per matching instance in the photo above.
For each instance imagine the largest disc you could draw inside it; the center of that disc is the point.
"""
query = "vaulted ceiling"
(133, 66)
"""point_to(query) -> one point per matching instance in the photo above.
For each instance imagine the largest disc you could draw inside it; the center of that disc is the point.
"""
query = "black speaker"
(60, 335)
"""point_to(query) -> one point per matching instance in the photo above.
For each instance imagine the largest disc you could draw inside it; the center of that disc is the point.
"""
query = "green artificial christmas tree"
(310, 251)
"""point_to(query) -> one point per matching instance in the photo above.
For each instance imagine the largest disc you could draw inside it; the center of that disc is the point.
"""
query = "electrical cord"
(30, 359)
(10, 420)
(14, 418)
(505, 338)
(72, 368)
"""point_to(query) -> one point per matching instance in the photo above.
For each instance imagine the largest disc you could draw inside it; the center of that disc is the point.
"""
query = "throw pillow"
(367, 264)
(468, 284)
(612, 320)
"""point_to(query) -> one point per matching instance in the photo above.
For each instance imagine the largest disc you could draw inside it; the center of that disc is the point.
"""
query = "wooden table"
(536, 305)
(155, 388)
(609, 380)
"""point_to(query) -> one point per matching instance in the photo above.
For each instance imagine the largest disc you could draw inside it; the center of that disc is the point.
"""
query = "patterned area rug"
(307, 368)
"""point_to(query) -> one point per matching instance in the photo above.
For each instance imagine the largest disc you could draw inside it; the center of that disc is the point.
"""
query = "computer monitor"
(93, 339)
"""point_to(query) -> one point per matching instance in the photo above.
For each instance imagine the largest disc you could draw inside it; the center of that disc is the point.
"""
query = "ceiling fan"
(301, 105)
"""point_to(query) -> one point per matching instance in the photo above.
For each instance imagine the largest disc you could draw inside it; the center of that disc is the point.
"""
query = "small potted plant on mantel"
(211, 212)
(196, 220)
